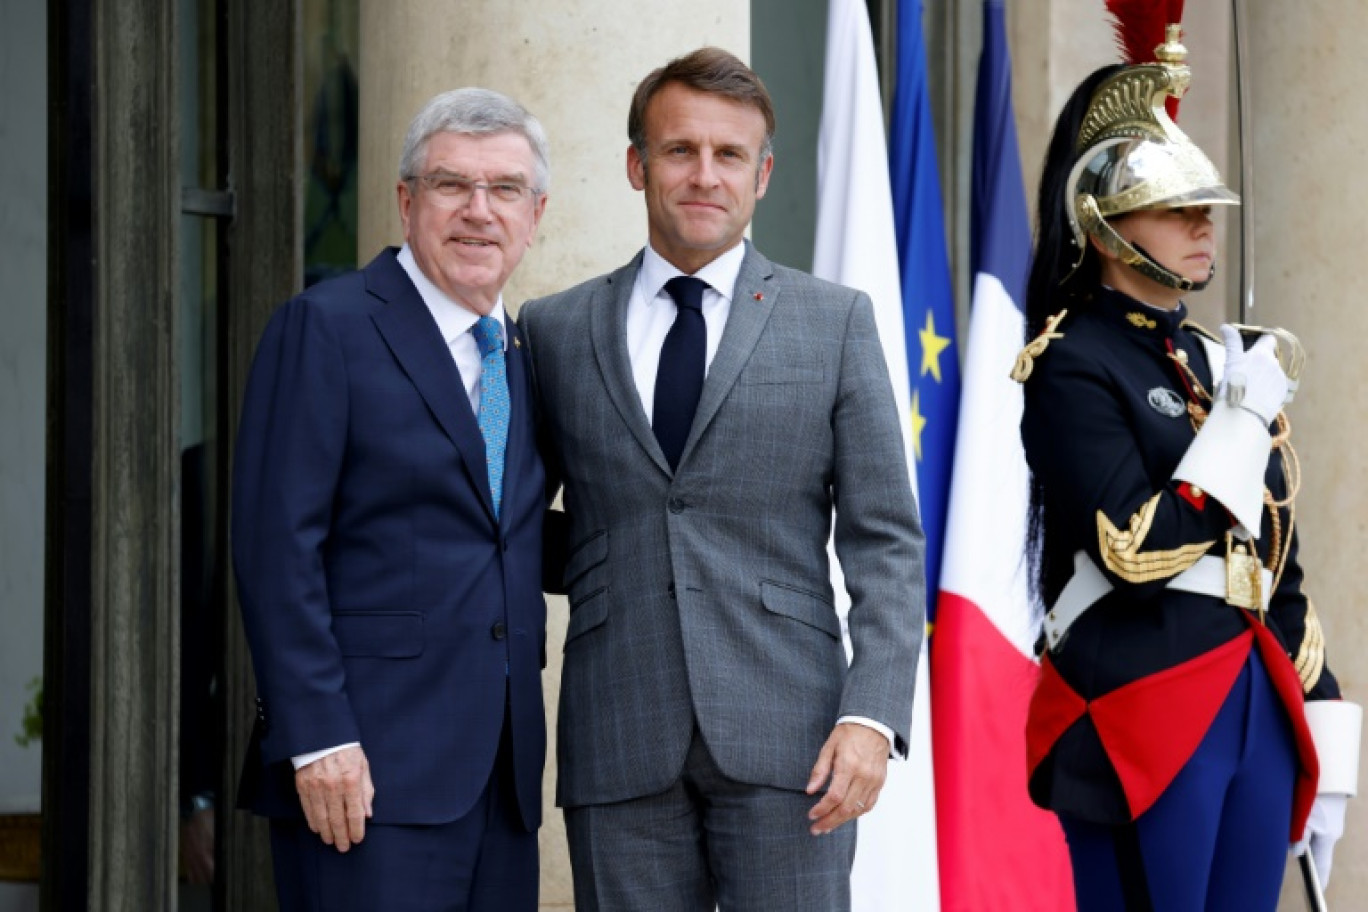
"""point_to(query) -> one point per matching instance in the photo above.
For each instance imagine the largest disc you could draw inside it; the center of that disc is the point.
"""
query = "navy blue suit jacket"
(383, 602)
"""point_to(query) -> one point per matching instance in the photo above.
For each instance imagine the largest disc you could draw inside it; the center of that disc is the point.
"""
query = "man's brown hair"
(711, 70)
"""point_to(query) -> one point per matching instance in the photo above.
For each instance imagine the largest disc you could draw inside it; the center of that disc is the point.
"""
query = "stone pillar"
(1309, 187)
(575, 67)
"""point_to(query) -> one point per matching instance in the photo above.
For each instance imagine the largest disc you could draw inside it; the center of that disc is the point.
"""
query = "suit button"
(671, 590)
(677, 505)
(498, 631)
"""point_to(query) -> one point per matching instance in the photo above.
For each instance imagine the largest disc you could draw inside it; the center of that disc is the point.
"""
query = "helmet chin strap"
(1092, 223)
(1166, 276)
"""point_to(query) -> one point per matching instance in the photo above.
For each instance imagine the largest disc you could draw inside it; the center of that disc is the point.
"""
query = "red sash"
(1150, 727)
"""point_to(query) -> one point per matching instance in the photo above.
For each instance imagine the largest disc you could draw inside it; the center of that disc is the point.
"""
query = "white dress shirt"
(455, 321)
(650, 314)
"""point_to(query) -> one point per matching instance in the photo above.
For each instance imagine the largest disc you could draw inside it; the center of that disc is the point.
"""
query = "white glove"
(1324, 827)
(1254, 380)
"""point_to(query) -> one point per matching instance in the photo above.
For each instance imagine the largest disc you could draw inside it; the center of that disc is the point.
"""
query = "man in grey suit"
(706, 430)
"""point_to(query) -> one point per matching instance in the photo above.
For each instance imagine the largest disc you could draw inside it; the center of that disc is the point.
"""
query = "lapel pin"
(759, 297)
(517, 342)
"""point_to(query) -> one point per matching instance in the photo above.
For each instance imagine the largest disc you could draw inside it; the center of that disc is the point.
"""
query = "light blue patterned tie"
(493, 402)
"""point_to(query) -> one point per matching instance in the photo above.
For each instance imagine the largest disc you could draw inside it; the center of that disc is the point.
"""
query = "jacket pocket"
(801, 605)
(585, 556)
(379, 634)
(586, 614)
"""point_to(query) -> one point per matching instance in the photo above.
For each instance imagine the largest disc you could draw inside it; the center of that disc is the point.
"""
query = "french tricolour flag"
(895, 859)
(998, 852)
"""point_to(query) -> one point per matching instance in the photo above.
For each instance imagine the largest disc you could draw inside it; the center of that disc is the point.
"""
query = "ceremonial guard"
(1185, 716)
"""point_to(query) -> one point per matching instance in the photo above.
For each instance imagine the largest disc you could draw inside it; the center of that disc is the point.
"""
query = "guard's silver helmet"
(1132, 156)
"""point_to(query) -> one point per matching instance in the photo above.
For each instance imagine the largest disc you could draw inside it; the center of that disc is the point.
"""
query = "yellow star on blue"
(918, 423)
(932, 345)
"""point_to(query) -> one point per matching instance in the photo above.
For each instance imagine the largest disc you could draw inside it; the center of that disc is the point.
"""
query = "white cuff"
(302, 760)
(1228, 460)
(878, 727)
(1336, 726)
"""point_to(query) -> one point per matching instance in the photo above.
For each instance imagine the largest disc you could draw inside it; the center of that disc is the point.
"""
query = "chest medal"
(1166, 402)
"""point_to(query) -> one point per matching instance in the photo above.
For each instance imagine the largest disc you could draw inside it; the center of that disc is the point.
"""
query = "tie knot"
(687, 291)
(487, 335)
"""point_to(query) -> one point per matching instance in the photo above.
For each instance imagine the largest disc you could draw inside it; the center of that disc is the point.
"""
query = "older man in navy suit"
(387, 516)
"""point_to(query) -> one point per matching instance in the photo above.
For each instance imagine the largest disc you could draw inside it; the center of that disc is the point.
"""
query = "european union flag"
(928, 303)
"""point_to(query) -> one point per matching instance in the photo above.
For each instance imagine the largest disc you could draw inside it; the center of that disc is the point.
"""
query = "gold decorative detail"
(1121, 550)
(1140, 321)
(1199, 329)
(1310, 661)
(1025, 361)
(20, 838)
(1172, 50)
(1125, 105)
(1244, 577)
(1197, 492)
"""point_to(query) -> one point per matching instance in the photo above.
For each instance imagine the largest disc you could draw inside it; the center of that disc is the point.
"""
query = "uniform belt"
(1088, 585)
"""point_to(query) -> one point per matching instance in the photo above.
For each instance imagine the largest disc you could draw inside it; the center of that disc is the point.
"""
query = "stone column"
(575, 67)
(1309, 187)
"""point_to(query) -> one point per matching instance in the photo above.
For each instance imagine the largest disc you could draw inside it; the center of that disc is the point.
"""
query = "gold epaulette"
(1201, 330)
(1025, 361)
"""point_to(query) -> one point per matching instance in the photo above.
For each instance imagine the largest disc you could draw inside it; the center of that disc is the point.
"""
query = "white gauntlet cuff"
(1228, 460)
(1336, 727)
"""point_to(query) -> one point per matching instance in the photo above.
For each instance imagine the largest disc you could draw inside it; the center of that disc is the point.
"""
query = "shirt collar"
(453, 318)
(720, 274)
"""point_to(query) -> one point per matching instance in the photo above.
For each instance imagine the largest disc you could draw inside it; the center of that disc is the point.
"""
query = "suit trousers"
(484, 862)
(1216, 840)
(708, 842)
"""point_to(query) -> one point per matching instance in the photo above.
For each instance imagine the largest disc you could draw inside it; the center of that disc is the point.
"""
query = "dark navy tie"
(679, 379)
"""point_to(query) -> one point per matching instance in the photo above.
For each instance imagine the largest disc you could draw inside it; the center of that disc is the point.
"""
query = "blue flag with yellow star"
(928, 303)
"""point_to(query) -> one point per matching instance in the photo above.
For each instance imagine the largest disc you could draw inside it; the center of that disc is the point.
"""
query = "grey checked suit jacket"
(704, 596)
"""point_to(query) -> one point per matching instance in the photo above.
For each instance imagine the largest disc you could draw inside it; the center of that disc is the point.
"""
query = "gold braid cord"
(1025, 361)
(1310, 661)
(1121, 550)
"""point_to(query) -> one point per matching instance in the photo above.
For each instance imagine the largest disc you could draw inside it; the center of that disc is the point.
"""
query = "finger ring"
(860, 805)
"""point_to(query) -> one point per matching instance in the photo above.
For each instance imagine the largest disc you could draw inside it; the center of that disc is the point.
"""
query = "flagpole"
(1242, 113)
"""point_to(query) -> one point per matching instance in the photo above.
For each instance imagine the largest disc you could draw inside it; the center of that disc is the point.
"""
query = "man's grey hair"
(474, 112)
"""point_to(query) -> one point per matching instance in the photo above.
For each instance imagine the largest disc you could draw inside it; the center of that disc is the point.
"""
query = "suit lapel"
(412, 335)
(751, 304)
(608, 316)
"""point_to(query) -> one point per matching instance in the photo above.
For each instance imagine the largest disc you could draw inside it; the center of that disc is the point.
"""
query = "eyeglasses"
(450, 191)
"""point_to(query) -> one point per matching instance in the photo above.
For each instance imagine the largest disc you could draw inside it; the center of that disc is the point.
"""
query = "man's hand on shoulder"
(336, 794)
(853, 765)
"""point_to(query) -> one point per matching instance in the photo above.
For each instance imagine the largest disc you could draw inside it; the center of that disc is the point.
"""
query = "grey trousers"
(708, 842)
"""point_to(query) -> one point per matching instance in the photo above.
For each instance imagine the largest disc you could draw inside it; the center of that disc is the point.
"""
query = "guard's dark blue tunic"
(1106, 423)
